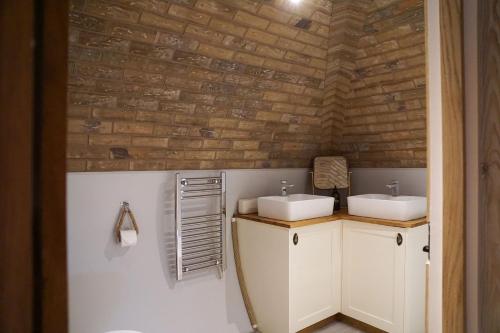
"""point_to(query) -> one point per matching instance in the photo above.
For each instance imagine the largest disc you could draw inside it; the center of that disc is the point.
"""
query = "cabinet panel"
(315, 273)
(264, 256)
(373, 275)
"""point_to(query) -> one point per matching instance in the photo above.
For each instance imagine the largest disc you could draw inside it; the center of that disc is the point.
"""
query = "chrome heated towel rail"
(200, 239)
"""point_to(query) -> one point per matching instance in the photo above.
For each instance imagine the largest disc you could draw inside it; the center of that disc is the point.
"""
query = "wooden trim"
(427, 275)
(16, 169)
(451, 36)
(472, 179)
(364, 327)
(355, 324)
(428, 158)
(241, 277)
(338, 216)
(325, 322)
(50, 173)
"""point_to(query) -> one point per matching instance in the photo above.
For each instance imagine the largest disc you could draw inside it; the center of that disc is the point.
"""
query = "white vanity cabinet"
(298, 276)
(292, 275)
(383, 276)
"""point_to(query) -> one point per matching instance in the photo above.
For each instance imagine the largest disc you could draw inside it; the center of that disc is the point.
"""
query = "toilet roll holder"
(124, 211)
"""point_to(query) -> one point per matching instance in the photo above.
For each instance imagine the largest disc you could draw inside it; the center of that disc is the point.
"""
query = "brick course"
(203, 84)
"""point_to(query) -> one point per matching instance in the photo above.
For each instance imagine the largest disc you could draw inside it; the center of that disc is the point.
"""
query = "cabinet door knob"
(295, 239)
(399, 239)
(426, 249)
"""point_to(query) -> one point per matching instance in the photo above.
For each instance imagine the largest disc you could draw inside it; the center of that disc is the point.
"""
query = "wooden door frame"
(452, 90)
(453, 166)
(16, 179)
(33, 279)
(50, 199)
(446, 165)
(472, 179)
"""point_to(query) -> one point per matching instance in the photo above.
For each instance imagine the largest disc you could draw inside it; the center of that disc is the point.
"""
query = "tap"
(394, 187)
(285, 187)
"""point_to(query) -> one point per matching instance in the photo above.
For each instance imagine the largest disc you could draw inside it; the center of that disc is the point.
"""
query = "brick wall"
(384, 122)
(203, 84)
(192, 84)
(348, 17)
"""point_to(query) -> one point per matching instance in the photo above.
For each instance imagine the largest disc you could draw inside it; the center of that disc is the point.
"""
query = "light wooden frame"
(451, 36)
(453, 166)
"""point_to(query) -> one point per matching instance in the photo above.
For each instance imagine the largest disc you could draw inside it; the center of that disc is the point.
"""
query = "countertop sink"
(382, 206)
(295, 207)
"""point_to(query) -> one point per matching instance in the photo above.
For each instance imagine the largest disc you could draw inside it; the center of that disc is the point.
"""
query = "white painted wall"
(111, 288)
(435, 165)
(412, 181)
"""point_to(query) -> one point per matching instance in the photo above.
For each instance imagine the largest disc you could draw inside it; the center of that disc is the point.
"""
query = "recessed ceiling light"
(295, 2)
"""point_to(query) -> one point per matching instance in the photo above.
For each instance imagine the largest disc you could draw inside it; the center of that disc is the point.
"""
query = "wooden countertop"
(341, 215)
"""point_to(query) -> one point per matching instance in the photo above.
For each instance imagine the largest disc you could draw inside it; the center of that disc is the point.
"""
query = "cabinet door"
(315, 278)
(373, 275)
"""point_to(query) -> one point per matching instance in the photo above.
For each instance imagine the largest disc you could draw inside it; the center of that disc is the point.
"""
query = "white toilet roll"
(128, 238)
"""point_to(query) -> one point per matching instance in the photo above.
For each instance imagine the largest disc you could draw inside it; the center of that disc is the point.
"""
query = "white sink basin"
(295, 207)
(382, 206)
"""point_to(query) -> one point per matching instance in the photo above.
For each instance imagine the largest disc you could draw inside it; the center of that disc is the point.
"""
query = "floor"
(338, 327)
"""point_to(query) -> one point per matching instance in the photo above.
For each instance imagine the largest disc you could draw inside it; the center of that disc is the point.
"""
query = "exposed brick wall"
(203, 84)
(348, 17)
(384, 123)
(195, 84)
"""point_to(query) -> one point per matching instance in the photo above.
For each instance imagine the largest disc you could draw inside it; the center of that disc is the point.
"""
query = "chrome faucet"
(394, 187)
(285, 187)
